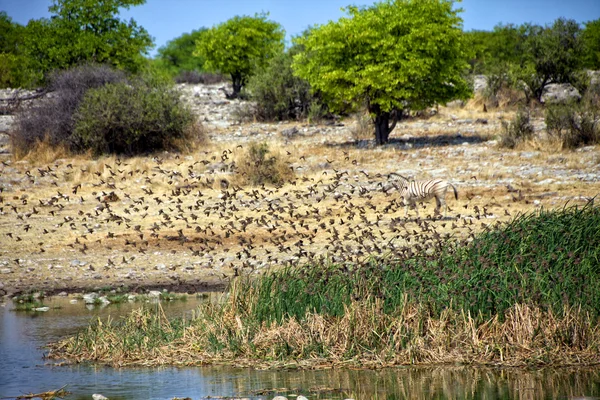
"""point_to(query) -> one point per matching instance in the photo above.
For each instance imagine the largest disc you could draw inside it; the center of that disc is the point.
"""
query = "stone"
(90, 298)
(560, 93)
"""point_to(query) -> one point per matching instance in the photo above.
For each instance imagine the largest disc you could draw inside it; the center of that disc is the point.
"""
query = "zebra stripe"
(416, 191)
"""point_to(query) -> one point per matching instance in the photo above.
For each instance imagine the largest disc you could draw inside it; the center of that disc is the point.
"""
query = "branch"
(30, 97)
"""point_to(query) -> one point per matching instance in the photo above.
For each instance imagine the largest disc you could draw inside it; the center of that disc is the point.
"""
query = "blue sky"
(167, 19)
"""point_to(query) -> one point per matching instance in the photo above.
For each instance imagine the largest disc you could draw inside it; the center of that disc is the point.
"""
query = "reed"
(527, 293)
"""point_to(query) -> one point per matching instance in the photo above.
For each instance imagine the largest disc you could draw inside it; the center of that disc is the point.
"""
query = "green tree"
(86, 31)
(240, 45)
(394, 56)
(178, 54)
(277, 92)
(591, 45)
(552, 55)
(9, 36)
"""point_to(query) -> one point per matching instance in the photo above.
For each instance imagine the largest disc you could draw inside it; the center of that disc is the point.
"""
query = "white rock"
(90, 298)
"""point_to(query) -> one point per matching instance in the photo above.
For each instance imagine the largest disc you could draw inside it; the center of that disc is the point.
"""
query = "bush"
(573, 125)
(131, 119)
(257, 167)
(94, 107)
(51, 120)
(517, 130)
(362, 129)
(278, 94)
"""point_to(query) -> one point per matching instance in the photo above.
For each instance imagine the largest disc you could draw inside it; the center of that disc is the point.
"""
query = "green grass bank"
(523, 293)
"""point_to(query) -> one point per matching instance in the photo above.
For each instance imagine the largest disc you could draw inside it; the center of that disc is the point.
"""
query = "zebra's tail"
(455, 192)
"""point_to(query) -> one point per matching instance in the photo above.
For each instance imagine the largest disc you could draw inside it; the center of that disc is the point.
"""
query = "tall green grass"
(526, 293)
(548, 259)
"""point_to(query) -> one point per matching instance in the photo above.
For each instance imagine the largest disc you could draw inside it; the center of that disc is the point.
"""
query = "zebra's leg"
(416, 207)
(439, 202)
(411, 204)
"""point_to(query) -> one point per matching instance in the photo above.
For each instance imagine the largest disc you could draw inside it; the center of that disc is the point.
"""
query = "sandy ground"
(185, 222)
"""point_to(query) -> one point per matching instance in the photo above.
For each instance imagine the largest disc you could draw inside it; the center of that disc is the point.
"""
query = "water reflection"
(22, 370)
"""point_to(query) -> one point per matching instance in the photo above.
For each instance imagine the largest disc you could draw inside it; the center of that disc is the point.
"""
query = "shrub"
(51, 119)
(573, 124)
(362, 129)
(94, 107)
(278, 94)
(517, 130)
(131, 119)
(259, 166)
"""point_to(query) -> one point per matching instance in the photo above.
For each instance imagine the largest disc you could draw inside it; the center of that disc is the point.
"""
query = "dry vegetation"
(185, 220)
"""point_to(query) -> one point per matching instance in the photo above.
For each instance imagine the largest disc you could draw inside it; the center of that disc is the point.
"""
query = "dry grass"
(525, 336)
(42, 153)
(172, 210)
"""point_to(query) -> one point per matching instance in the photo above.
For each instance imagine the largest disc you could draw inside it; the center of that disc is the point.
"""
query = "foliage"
(591, 45)
(131, 118)
(547, 259)
(278, 94)
(396, 55)
(504, 45)
(526, 293)
(177, 56)
(14, 71)
(574, 124)
(95, 107)
(240, 46)
(530, 55)
(517, 130)
(85, 31)
(554, 52)
(51, 120)
(259, 166)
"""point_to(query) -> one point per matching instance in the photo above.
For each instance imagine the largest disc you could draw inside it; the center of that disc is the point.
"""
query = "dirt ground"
(185, 223)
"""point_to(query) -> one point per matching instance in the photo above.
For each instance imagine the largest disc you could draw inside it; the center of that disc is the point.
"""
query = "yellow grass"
(173, 222)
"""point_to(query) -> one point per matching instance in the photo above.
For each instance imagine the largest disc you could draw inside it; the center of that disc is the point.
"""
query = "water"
(24, 370)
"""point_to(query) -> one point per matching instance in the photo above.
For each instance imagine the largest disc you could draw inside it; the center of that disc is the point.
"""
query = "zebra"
(413, 191)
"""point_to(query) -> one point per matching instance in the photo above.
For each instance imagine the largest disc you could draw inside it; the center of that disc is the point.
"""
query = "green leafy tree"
(591, 45)
(394, 56)
(552, 55)
(279, 94)
(86, 31)
(14, 69)
(178, 54)
(9, 34)
(501, 46)
(240, 45)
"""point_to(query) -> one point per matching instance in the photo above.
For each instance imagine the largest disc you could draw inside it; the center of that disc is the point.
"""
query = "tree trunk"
(382, 125)
(238, 83)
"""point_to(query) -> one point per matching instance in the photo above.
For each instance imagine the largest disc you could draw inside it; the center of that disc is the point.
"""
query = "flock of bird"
(188, 216)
